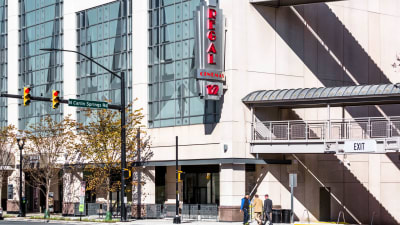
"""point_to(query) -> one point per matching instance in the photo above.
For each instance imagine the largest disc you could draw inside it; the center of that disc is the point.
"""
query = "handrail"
(354, 128)
(308, 215)
(344, 220)
(372, 219)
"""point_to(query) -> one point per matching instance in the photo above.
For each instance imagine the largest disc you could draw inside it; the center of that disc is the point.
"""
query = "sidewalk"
(75, 220)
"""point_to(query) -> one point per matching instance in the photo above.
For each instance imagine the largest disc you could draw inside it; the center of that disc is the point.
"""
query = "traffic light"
(127, 173)
(56, 99)
(27, 96)
(181, 176)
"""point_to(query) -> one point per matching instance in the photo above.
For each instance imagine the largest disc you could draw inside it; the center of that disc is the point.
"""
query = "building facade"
(230, 143)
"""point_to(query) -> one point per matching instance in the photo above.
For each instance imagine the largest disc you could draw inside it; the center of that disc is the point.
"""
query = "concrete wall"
(361, 186)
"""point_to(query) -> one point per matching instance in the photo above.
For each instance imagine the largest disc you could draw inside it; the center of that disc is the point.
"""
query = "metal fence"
(154, 211)
(100, 209)
(357, 128)
(194, 211)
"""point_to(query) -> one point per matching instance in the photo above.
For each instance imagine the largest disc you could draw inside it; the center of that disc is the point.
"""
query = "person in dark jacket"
(244, 206)
(268, 209)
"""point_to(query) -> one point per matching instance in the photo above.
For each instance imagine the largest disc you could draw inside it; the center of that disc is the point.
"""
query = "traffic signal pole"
(123, 152)
(177, 219)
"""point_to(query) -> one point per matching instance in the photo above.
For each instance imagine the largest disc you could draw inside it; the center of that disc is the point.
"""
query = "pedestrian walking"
(244, 207)
(258, 208)
(268, 209)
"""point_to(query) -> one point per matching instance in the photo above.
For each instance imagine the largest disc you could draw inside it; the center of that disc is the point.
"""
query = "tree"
(7, 152)
(99, 146)
(52, 143)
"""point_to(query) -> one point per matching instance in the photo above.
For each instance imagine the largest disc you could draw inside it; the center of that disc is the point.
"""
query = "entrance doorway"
(35, 198)
(201, 185)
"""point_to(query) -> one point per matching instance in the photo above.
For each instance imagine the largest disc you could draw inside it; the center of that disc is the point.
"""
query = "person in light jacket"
(258, 208)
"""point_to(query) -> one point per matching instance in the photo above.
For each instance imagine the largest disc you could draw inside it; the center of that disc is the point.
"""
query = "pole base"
(46, 214)
(108, 216)
(177, 220)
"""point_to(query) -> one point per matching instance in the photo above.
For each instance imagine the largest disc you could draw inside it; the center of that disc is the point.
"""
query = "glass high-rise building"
(104, 34)
(41, 26)
(3, 62)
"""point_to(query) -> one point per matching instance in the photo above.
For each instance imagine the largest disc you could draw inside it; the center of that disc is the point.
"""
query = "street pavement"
(21, 221)
(10, 221)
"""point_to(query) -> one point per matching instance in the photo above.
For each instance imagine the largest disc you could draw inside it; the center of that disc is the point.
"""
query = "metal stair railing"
(338, 219)
(372, 219)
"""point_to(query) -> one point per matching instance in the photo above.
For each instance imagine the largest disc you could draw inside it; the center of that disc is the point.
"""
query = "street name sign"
(87, 104)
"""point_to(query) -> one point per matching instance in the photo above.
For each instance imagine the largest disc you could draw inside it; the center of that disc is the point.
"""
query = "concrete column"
(170, 182)
(374, 186)
(13, 179)
(12, 61)
(147, 188)
(232, 190)
(311, 189)
(143, 188)
(71, 186)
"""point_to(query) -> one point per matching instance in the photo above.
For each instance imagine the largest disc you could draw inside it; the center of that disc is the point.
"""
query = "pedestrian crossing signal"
(27, 96)
(56, 99)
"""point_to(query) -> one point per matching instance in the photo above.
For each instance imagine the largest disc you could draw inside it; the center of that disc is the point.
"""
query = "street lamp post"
(123, 131)
(21, 143)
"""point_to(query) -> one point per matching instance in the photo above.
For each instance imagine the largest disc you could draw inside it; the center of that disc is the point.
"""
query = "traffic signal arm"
(43, 99)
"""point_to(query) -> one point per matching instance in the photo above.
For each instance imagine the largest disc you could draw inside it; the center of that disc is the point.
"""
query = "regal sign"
(210, 38)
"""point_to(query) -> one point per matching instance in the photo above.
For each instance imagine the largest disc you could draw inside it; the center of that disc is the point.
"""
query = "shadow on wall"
(327, 48)
(343, 184)
(334, 173)
(335, 57)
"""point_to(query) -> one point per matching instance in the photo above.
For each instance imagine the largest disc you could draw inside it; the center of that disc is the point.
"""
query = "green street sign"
(87, 104)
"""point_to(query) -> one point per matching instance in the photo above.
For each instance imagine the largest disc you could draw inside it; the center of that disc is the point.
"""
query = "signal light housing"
(127, 173)
(27, 96)
(181, 176)
(56, 99)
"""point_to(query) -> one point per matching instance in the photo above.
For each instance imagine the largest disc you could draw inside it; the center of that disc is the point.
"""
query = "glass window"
(167, 109)
(40, 27)
(167, 33)
(167, 71)
(167, 90)
(167, 14)
(106, 42)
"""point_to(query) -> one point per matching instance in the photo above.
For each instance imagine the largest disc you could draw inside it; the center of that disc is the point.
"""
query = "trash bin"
(286, 215)
(276, 216)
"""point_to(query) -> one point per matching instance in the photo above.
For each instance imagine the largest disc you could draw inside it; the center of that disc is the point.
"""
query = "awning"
(318, 97)
(277, 3)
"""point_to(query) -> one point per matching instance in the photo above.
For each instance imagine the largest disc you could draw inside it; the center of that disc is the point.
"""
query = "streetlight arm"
(79, 53)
